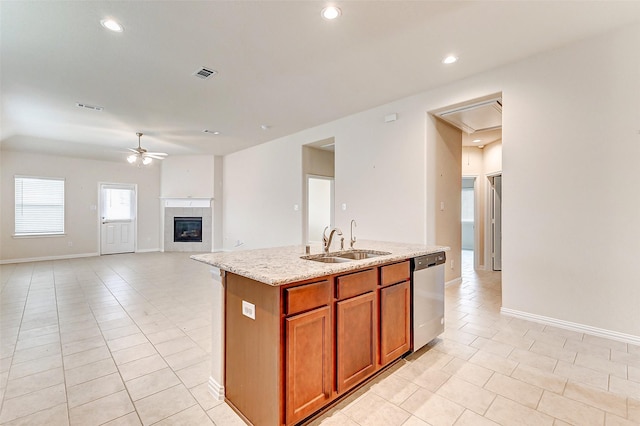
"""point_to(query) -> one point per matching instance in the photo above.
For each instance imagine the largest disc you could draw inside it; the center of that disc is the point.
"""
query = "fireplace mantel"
(186, 202)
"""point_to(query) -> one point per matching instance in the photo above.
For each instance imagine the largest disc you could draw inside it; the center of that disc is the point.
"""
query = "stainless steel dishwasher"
(427, 286)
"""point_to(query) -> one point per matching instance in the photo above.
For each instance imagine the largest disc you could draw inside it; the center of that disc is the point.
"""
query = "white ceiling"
(279, 64)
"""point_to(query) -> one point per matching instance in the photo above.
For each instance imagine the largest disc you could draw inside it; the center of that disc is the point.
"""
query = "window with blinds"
(39, 205)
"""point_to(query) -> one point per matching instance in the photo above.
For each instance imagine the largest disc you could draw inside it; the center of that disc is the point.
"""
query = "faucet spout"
(353, 239)
(326, 242)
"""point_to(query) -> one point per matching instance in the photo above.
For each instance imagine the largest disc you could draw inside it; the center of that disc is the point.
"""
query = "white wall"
(263, 183)
(570, 148)
(185, 176)
(81, 195)
(261, 186)
(492, 158)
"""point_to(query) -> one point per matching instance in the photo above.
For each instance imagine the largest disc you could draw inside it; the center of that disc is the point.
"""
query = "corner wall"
(448, 190)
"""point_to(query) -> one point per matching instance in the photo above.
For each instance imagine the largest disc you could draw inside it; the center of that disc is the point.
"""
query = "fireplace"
(187, 229)
(187, 238)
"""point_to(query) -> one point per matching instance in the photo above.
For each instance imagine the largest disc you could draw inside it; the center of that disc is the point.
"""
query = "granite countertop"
(283, 265)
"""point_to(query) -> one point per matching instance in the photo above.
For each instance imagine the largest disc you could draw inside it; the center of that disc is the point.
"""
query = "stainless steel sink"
(328, 259)
(345, 256)
(361, 254)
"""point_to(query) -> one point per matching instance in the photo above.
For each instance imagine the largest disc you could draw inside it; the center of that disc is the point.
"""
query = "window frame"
(36, 234)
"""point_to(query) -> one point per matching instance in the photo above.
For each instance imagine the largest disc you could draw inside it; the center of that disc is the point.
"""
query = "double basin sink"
(345, 256)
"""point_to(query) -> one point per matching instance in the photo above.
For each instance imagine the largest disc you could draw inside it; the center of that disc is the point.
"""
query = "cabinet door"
(308, 363)
(395, 317)
(356, 339)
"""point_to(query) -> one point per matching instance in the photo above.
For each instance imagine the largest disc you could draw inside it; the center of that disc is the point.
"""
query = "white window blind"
(39, 205)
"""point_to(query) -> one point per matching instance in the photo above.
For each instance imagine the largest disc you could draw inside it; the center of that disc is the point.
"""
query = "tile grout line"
(24, 307)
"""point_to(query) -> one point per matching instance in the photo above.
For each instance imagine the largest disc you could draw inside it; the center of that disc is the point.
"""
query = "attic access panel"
(486, 115)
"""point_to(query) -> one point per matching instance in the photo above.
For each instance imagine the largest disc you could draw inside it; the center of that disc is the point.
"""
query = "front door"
(118, 218)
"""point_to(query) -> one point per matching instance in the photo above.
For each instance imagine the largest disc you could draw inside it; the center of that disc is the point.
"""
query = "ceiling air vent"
(87, 106)
(204, 73)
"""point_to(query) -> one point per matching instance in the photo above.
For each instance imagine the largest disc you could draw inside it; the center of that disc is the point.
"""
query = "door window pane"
(117, 204)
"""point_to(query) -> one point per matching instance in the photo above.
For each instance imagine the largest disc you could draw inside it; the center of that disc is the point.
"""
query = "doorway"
(318, 174)
(468, 221)
(320, 206)
(117, 218)
(480, 124)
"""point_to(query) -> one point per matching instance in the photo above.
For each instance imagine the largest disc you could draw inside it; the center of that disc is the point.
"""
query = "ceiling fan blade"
(157, 157)
(164, 154)
(133, 150)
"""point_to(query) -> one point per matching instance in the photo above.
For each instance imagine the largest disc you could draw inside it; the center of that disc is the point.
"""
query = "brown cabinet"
(356, 329)
(310, 342)
(395, 317)
(395, 311)
(395, 273)
(308, 363)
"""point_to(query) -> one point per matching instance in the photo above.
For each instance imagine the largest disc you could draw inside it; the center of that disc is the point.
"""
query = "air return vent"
(87, 106)
(204, 73)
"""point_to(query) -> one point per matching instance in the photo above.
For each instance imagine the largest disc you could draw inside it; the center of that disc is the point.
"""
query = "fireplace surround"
(187, 208)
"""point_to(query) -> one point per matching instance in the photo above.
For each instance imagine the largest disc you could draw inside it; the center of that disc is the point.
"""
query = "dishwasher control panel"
(430, 260)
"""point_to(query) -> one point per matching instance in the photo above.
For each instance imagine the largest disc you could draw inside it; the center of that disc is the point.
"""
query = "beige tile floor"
(125, 340)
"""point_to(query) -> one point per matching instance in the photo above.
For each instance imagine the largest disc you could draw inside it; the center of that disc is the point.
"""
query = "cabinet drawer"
(305, 297)
(395, 273)
(357, 283)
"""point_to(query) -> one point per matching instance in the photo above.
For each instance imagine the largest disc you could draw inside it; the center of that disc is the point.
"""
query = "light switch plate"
(248, 309)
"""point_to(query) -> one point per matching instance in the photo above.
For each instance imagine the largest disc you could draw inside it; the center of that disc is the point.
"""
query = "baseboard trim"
(453, 282)
(148, 250)
(46, 258)
(216, 389)
(568, 325)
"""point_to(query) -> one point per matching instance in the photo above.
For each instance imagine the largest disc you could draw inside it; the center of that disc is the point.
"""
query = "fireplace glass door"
(187, 229)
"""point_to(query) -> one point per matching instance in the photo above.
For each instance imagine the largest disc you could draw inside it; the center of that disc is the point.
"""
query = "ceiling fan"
(141, 155)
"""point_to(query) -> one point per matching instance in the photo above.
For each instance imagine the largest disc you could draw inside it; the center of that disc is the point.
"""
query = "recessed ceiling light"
(477, 140)
(331, 12)
(265, 126)
(450, 59)
(112, 25)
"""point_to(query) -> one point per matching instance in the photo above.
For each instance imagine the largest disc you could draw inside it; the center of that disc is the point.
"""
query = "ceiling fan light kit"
(141, 156)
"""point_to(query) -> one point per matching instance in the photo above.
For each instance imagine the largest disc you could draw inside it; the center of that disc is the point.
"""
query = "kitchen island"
(295, 335)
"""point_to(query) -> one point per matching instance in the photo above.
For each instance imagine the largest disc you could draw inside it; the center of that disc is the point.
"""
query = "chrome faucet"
(326, 242)
(353, 239)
